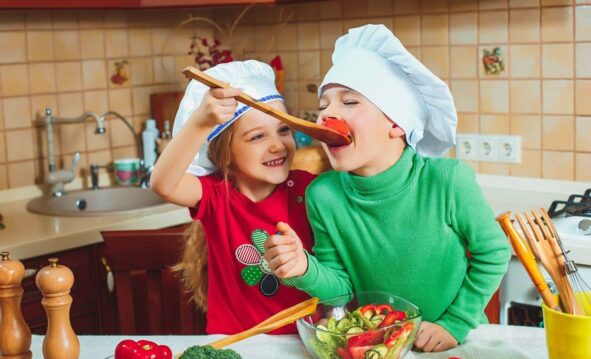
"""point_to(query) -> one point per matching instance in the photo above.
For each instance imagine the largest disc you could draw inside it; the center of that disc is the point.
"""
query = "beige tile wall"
(543, 94)
(65, 59)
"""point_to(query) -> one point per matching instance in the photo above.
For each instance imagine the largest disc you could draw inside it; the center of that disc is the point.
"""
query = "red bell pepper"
(371, 308)
(392, 318)
(373, 337)
(383, 309)
(399, 335)
(337, 125)
(142, 349)
(359, 352)
(343, 353)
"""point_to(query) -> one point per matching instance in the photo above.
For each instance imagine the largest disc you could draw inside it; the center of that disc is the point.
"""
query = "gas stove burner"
(585, 226)
(576, 205)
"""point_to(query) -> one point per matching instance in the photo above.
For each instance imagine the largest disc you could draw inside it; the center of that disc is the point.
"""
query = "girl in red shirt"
(230, 165)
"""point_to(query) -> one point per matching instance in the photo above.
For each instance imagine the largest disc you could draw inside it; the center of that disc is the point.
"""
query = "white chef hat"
(371, 61)
(255, 78)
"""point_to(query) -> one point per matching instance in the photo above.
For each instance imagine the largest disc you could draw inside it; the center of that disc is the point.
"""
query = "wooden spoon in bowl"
(328, 135)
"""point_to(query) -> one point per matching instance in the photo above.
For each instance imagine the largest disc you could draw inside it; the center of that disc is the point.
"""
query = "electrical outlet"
(487, 148)
(467, 147)
(509, 149)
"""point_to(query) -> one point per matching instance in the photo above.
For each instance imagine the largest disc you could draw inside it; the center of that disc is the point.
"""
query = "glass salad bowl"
(363, 325)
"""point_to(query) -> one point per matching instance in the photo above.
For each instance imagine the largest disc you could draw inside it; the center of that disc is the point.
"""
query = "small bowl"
(337, 330)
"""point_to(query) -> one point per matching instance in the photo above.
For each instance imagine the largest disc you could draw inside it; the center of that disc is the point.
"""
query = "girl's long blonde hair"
(192, 268)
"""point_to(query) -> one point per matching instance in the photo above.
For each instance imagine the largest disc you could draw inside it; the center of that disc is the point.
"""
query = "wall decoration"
(120, 74)
(277, 65)
(209, 54)
(493, 61)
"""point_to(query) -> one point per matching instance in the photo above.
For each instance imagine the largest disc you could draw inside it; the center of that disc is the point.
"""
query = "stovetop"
(572, 217)
(576, 205)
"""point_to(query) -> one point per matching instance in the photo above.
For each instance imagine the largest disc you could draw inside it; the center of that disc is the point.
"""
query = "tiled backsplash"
(66, 59)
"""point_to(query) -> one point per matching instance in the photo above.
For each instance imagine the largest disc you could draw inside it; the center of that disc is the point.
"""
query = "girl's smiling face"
(262, 149)
(374, 138)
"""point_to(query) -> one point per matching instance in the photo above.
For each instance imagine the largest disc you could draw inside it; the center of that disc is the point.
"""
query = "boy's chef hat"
(372, 61)
(255, 78)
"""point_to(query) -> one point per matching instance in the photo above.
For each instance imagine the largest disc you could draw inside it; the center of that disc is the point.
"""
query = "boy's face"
(371, 132)
(262, 148)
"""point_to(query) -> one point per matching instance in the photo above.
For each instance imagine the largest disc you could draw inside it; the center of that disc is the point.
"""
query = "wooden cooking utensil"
(284, 317)
(547, 234)
(537, 237)
(319, 132)
(526, 257)
(278, 320)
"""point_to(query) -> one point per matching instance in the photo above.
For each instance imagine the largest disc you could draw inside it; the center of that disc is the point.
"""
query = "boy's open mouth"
(275, 163)
(339, 148)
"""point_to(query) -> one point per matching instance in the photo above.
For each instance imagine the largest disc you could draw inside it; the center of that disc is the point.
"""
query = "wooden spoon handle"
(278, 320)
(322, 133)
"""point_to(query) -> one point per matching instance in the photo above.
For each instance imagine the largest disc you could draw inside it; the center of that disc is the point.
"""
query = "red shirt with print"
(242, 291)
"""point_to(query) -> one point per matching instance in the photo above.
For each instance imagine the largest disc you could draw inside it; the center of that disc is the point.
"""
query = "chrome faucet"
(57, 178)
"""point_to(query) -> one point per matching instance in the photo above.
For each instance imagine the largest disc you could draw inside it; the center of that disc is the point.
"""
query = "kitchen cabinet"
(137, 260)
(84, 312)
(493, 309)
(125, 4)
(93, 309)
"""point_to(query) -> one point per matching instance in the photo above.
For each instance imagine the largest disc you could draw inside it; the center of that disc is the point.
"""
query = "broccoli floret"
(208, 352)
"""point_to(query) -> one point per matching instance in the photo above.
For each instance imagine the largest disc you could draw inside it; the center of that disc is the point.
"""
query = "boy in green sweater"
(392, 217)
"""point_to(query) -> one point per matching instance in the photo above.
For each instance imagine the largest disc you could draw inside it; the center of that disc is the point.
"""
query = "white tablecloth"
(486, 342)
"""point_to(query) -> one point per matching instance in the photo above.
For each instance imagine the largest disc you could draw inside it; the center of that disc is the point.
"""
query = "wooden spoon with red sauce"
(332, 136)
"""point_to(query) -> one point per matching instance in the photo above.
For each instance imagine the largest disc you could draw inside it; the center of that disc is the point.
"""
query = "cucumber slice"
(371, 354)
(366, 322)
(323, 336)
(343, 325)
(381, 349)
(377, 319)
(355, 330)
(332, 324)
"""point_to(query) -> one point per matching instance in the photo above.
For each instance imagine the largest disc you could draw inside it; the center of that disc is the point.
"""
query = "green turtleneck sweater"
(406, 231)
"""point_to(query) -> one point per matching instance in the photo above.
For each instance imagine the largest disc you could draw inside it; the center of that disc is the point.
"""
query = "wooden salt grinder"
(54, 281)
(15, 335)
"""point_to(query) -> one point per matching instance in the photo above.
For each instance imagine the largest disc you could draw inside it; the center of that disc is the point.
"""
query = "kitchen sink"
(104, 201)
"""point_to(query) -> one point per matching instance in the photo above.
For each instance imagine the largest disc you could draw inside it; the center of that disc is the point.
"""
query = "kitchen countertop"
(519, 194)
(29, 235)
(485, 342)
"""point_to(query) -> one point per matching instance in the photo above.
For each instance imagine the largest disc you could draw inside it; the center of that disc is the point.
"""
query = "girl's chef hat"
(255, 78)
(372, 61)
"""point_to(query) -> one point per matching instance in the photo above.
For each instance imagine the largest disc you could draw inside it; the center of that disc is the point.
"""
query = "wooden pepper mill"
(15, 335)
(54, 281)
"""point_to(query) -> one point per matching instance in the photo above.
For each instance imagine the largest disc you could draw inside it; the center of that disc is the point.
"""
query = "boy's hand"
(285, 254)
(433, 338)
(218, 106)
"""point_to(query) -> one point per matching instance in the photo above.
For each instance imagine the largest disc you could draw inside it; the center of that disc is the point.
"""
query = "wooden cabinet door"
(84, 310)
(108, 302)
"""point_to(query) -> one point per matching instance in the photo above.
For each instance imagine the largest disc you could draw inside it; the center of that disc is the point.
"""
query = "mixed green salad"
(369, 332)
